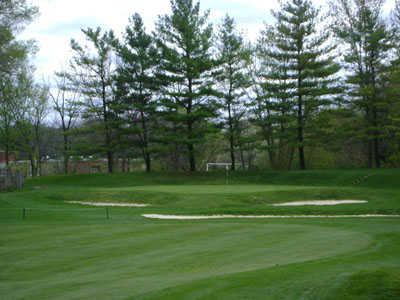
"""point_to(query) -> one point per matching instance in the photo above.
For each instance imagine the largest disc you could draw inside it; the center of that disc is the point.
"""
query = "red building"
(11, 157)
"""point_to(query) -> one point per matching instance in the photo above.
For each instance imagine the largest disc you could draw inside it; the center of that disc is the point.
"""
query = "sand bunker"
(319, 202)
(179, 217)
(108, 204)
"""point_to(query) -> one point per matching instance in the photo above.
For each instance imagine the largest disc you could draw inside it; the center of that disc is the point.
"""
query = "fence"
(11, 180)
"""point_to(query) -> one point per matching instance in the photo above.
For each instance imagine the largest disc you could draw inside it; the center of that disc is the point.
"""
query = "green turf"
(66, 251)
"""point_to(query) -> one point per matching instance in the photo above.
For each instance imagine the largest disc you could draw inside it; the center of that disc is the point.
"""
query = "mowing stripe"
(108, 204)
(182, 217)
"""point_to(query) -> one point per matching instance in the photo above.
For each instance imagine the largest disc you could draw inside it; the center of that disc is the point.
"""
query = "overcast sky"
(61, 20)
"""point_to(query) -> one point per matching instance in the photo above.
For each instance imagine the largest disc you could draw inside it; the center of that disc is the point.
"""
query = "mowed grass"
(68, 251)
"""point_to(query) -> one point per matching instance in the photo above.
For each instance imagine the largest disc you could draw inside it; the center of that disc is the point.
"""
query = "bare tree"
(66, 104)
(38, 111)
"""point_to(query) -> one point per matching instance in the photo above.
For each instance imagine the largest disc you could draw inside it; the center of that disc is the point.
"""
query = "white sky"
(61, 20)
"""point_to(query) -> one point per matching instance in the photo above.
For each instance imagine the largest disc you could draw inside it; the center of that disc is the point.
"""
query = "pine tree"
(137, 83)
(92, 72)
(307, 71)
(185, 41)
(360, 26)
(274, 111)
(392, 128)
(234, 58)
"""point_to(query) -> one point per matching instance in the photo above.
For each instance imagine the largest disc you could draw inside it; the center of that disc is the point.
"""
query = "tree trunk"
(66, 164)
(231, 138)
(300, 116)
(375, 120)
(110, 161)
(268, 137)
(66, 154)
(148, 162)
(242, 160)
(33, 166)
(192, 159)
(233, 162)
(300, 134)
(37, 150)
(377, 154)
(291, 155)
(146, 154)
(7, 154)
(376, 140)
(39, 166)
(302, 158)
(271, 157)
(370, 155)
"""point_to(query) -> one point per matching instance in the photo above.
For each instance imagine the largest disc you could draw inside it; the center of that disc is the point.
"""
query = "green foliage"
(300, 77)
(184, 39)
(14, 15)
(233, 58)
(14, 70)
(359, 24)
(136, 84)
(91, 73)
(181, 96)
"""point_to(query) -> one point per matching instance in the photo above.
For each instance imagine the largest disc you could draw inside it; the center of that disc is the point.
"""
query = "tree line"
(314, 90)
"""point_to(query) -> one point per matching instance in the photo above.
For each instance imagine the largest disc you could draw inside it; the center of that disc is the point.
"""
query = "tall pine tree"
(185, 41)
(307, 71)
(233, 80)
(392, 128)
(92, 73)
(137, 84)
(274, 112)
(359, 24)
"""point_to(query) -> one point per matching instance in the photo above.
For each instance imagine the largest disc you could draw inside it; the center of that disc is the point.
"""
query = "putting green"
(89, 262)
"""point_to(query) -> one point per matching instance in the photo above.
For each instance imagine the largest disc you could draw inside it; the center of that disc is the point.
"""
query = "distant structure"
(9, 179)
(3, 161)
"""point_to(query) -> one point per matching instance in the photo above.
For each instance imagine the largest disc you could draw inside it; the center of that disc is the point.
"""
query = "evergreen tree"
(233, 80)
(303, 67)
(392, 128)
(185, 42)
(92, 73)
(392, 125)
(360, 26)
(274, 111)
(137, 84)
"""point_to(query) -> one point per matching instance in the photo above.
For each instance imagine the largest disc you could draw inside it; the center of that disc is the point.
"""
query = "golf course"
(54, 245)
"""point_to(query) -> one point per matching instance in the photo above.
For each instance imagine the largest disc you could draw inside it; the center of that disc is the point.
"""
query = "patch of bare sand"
(320, 202)
(182, 217)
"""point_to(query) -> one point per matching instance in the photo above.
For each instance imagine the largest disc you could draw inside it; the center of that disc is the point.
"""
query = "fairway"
(61, 250)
